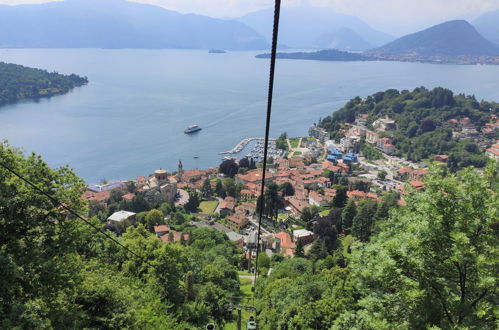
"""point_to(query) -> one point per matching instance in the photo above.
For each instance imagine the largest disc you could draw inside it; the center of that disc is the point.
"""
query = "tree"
(229, 167)
(309, 212)
(206, 189)
(434, 263)
(340, 198)
(40, 244)
(281, 142)
(219, 189)
(317, 250)
(272, 199)
(382, 175)
(244, 163)
(287, 189)
(193, 203)
(363, 221)
(299, 253)
(347, 216)
(154, 218)
(229, 187)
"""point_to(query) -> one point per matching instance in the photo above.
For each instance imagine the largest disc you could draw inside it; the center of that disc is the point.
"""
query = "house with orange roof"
(254, 177)
(227, 206)
(314, 198)
(237, 221)
(161, 230)
(493, 151)
(284, 244)
(128, 197)
(417, 184)
(296, 205)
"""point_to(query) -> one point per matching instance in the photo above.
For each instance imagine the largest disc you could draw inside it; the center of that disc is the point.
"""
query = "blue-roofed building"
(332, 158)
(352, 157)
(335, 152)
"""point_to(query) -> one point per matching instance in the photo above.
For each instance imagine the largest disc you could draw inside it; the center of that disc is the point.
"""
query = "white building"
(319, 133)
(303, 235)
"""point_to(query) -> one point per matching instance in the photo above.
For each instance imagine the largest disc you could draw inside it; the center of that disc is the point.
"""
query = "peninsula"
(18, 83)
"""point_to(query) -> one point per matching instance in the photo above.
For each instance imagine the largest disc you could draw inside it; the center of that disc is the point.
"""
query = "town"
(314, 176)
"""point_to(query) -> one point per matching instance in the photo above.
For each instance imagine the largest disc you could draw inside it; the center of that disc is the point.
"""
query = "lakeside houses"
(319, 133)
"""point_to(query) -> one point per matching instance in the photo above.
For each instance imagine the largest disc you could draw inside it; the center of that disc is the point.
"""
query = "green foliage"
(281, 142)
(60, 273)
(434, 263)
(154, 218)
(18, 83)
(193, 203)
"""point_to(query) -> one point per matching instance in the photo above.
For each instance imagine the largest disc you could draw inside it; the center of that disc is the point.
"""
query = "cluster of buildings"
(486, 137)
(357, 131)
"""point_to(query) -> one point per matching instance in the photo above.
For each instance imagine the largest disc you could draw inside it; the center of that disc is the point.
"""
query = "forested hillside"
(422, 122)
(18, 83)
(430, 264)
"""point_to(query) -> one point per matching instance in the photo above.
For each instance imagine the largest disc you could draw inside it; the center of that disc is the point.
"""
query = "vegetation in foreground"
(431, 264)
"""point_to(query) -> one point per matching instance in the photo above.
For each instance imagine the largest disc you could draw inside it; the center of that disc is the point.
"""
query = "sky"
(396, 17)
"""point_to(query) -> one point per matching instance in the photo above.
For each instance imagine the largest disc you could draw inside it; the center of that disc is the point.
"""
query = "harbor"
(257, 150)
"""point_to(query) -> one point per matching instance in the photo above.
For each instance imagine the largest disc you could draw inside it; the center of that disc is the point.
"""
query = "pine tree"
(206, 189)
(299, 250)
(318, 250)
(363, 221)
(347, 216)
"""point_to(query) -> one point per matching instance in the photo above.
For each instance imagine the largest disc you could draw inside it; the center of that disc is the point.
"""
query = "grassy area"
(244, 272)
(294, 142)
(297, 153)
(208, 207)
(325, 213)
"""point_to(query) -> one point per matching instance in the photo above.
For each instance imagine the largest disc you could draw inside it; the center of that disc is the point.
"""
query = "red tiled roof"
(404, 170)
(161, 228)
(96, 196)
(417, 184)
(128, 196)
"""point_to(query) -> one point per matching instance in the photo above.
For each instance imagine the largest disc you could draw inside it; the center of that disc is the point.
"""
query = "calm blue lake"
(129, 119)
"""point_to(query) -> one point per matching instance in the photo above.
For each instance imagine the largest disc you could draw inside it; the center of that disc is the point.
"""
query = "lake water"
(129, 119)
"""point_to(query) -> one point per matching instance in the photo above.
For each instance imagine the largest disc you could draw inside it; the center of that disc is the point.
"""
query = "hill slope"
(301, 27)
(453, 38)
(118, 24)
(344, 39)
(488, 26)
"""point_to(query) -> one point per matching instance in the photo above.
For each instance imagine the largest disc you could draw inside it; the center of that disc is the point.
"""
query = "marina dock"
(241, 145)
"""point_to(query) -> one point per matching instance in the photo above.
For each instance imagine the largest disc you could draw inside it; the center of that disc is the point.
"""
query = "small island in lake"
(19, 83)
(217, 51)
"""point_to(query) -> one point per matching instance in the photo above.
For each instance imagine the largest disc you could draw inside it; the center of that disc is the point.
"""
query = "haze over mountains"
(488, 26)
(313, 27)
(118, 24)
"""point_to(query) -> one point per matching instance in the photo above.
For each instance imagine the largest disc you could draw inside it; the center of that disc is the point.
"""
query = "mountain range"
(488, 26)
(313, 27)
(118, 24)
(453, 38)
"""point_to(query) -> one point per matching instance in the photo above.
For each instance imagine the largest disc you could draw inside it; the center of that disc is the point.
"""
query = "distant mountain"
(118, 24)
(304, 26)
(343, 39)
(453, 38)
(488, 26)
